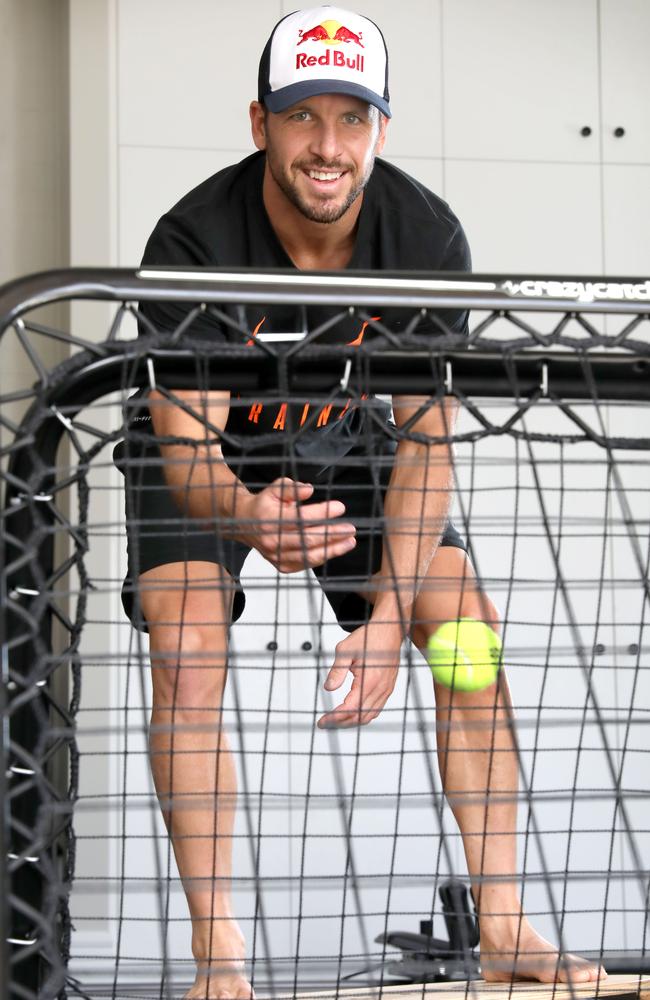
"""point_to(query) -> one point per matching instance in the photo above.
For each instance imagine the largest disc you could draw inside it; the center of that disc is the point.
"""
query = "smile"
(324, 176)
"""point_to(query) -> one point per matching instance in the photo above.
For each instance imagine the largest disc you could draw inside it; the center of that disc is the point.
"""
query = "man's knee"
(476, 606)
(188, 658)
(187, 641)
(188, 665)
(481, 608)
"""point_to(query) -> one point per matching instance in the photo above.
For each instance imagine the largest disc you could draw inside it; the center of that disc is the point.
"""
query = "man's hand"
(292, 534)
(371, 654)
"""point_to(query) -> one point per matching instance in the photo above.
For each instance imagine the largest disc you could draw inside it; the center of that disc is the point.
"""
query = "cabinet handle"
(586, 130)
(619, 132)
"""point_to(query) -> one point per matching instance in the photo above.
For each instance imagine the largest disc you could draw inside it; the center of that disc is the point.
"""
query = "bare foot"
(524, 954)
(218, 983)
(221, 976)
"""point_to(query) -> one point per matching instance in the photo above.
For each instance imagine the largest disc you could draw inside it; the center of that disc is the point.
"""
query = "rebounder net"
(344, 851)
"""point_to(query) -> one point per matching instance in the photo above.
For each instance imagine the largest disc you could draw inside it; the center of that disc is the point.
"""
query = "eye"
(351, 118)
(300, 116)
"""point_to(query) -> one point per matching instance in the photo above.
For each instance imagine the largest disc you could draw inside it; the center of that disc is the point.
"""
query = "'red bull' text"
(330, 57)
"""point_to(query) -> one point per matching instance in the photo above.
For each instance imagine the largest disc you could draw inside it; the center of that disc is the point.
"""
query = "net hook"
(544, 383)
(64, 420)
(37, 498)
(151, 372)
(346, 375)
(449, 378)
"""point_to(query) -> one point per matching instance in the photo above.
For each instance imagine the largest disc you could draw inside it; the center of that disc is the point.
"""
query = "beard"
(326, 211)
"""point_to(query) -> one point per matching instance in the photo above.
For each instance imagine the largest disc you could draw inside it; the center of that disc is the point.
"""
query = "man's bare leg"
(187, 608)
(478, 765)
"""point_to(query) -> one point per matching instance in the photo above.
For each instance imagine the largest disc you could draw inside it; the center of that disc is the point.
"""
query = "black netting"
(535, 423)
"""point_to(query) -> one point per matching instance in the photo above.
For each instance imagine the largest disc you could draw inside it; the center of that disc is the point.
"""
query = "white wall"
(33, 125)
(34, 203)
(34, 206)
(489, 102)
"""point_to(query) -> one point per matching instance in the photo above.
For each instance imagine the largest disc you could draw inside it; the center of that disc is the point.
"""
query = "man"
(312, 198)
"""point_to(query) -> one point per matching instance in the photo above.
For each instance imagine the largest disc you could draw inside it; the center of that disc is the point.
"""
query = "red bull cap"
(324, 50)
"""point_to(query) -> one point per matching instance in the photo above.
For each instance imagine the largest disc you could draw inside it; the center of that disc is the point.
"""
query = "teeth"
(323, 175)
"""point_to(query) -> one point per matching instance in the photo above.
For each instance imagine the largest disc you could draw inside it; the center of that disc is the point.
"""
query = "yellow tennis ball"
(464, 655)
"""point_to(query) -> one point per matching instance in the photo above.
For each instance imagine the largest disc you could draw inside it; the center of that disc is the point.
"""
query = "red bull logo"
(317, 34)
(344, 34)
(332, 34)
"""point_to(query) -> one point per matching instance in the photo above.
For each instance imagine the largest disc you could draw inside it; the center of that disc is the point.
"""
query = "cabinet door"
(626, 191)
(521, 80)
(186, 72)
(539, 218)
(625, 54)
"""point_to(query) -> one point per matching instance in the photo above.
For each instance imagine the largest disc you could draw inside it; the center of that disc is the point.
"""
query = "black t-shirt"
(223, 223)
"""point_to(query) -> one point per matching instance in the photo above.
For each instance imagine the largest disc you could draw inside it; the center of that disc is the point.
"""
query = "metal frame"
(443, 290)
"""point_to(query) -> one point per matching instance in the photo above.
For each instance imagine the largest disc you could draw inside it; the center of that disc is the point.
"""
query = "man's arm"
(277, 521)
(415, 509)
(198, 477)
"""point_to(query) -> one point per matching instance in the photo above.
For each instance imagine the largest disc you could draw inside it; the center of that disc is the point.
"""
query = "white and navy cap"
(324, 50)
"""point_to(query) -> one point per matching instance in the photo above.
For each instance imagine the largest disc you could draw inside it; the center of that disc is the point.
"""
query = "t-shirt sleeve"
(457, 257)
(172, 244)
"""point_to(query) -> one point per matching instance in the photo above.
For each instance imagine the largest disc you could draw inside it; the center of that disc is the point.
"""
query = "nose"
(325, 142)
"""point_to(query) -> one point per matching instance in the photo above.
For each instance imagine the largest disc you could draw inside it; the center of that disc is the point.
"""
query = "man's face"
(321, 152)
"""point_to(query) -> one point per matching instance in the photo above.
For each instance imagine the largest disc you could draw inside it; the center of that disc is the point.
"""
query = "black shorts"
(159, 533)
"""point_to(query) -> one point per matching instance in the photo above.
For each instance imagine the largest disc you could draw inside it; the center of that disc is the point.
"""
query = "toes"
(592, 973)
(576, 970)
(568, 973)
(544, 968)
(211, 987)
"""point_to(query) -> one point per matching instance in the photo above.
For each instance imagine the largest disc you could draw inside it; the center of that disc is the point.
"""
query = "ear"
(258, 124)
(381, 138)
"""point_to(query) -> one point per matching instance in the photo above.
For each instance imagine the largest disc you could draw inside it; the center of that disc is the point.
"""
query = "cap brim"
(284, 98)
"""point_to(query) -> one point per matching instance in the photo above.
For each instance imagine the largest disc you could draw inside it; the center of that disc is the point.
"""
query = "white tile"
(532, 217)
(151, 181)
(187, 72)
(627, 220)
